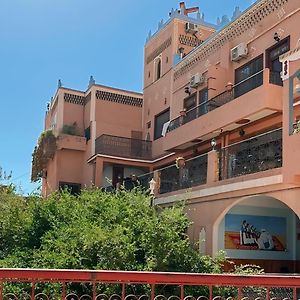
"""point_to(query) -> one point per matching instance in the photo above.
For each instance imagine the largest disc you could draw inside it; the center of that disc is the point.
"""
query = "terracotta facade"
(224, 97)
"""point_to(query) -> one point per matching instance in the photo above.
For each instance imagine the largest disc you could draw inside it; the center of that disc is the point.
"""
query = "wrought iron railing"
(30, 284)
(275, 78)
(124, 147)
(237, 90)
(259, 153)
(171, 178)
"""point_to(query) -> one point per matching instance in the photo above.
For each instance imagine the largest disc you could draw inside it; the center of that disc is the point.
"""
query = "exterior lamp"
(213, 143)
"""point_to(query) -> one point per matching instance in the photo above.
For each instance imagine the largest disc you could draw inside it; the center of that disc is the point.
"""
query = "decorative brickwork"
(244, 23)
(159, 50)
(189, 40)
(75, 99)
(118, 98)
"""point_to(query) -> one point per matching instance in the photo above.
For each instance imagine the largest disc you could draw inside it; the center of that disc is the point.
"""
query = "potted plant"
(183, 112)
(180, 162)
(296, 127)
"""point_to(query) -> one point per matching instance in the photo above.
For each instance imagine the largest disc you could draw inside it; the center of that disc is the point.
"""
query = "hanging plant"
(42, 153)
(180, 162)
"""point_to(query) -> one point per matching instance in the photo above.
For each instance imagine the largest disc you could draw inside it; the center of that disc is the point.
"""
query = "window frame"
(155, 129)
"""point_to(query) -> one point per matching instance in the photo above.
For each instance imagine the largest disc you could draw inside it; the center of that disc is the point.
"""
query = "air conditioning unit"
(239, 52)
(191, 28)
(196, 80)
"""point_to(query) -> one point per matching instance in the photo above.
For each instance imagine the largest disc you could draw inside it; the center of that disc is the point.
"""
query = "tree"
(5, 185)
(97, 230)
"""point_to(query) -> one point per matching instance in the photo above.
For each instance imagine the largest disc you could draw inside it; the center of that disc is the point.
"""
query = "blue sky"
(44, 40)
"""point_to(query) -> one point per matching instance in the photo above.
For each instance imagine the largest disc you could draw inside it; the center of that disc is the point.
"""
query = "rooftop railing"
(237, 90)
(121, 285)
(123, 147)
(260, 153)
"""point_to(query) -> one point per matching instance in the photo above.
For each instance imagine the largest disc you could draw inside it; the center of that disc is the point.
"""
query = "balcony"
(257, 154)
(171, 178)
(71, 142)
(123, 147)
(250, 100)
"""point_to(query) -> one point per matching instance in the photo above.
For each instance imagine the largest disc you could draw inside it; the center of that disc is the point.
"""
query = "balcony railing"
(171, 178)
(260, 153)
(124, 147)
(29, 284)
(237, 90)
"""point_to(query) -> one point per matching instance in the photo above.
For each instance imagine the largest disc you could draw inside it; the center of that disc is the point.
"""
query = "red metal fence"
(32, 284)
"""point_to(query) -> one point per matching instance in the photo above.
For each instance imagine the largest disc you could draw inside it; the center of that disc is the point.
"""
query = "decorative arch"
(220, 218)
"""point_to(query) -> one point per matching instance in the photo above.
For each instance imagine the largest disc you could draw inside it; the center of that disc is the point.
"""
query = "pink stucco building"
(224, 97)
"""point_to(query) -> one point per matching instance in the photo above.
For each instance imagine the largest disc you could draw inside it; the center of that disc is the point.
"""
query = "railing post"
(181, 292)
(63, 294)
(94, 290)
(1, 290)
(32, 290)
(212, 166)
(239, 293)
(210, 292)
(123, 291)
(152, 291)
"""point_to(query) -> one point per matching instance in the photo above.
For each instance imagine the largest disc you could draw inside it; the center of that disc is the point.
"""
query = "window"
(159, 122)
(249, 76)
(272, 60)
(203, 98)
(157, 64)
(190, 102)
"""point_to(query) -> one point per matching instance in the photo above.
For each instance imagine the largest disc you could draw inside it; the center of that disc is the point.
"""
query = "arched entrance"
(260, 230)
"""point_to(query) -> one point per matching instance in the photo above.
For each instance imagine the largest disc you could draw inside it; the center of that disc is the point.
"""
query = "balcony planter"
(229, 86)
(183, 112)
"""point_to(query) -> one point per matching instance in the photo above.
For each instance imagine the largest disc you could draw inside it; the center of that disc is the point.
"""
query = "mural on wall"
(249, 232)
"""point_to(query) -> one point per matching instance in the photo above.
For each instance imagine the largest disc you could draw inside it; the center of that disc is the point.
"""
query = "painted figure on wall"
(255, 232)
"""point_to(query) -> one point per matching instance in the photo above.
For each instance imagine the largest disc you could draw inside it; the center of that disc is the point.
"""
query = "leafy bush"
(42, 153)
(99, 230)
(70, 129)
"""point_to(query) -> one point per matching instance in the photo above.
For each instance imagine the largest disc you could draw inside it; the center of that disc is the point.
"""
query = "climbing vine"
(42, 153)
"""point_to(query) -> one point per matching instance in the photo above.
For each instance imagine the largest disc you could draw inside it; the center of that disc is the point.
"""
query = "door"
(117, 175)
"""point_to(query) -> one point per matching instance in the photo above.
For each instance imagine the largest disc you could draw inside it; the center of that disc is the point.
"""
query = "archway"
(260, 230)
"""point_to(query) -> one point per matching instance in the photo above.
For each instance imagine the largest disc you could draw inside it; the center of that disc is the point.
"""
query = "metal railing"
(123, 147)
(237, 90)
(171, 178)
(125, 285)
(259, 153)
